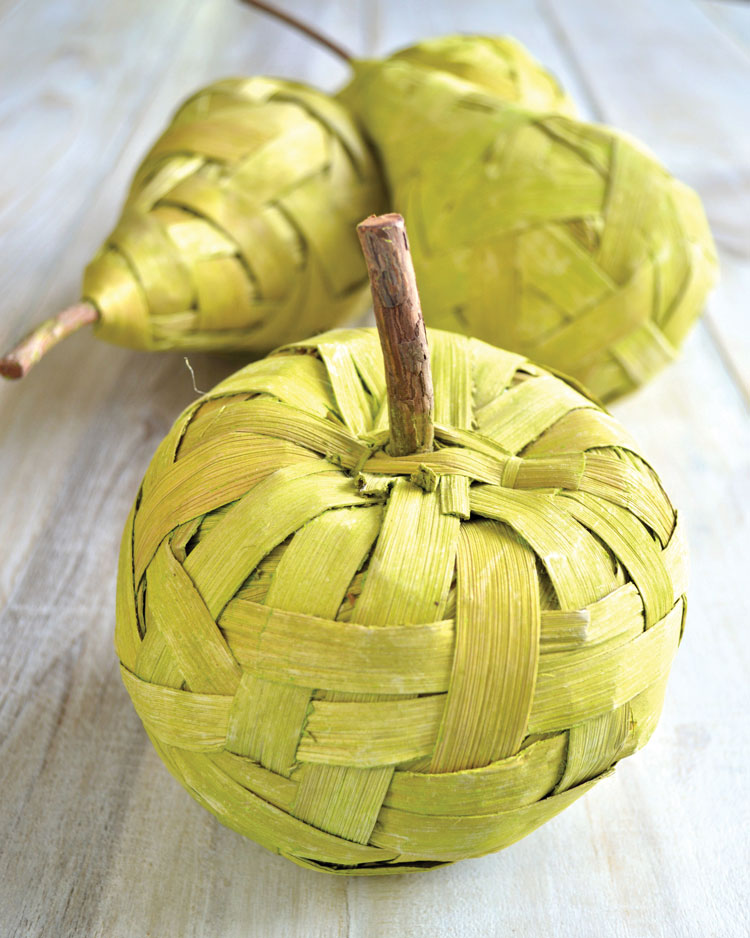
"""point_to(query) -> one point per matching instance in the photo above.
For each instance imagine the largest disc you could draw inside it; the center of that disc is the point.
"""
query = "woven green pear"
(238, 230)
(564, 241)
(237, 233)
(373, 663)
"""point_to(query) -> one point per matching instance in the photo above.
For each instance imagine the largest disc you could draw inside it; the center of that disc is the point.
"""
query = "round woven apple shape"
(373, 663)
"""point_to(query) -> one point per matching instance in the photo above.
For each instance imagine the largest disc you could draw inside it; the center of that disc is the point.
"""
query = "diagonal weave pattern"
(563, 241)
(239, 228)
(373, 664)
(498, 64)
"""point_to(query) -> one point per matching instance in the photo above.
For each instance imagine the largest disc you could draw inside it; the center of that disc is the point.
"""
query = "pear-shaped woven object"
(239, 229)
(374, 664)
(238, 233)
(561, 240)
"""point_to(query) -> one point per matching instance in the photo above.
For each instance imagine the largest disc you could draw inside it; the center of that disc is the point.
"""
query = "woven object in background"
(564, 241)
(239, 229)
(238, 233)
(373, 664)
(498, 64)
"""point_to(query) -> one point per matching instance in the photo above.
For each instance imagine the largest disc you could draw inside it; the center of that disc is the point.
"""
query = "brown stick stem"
(20, 360)
(402, 333)
(303, 28)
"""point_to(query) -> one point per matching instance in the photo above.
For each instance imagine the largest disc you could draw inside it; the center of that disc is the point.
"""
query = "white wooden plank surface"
(732, 17)
(96, 839)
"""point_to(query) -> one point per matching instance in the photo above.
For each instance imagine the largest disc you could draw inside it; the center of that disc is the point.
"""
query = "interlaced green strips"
(238, 231)
(373, 664)
(565, 241)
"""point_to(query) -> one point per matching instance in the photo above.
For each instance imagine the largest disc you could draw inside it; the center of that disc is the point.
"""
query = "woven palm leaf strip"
(223, 242)
(498, 64)
(564, 241)
(377, 664)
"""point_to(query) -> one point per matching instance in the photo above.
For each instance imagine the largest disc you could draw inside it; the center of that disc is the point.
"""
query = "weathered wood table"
(96, 839)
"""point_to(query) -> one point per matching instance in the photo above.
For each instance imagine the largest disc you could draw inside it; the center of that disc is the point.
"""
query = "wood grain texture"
(732, 17)
(398, 315)
(96, 839)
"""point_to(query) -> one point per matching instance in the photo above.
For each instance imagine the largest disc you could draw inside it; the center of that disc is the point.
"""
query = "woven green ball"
(372, 664)
(564, 241)
(239, 229)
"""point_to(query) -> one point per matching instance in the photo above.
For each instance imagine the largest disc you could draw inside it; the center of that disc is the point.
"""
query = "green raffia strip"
(375, 664)
(564, 241)
(239, 229)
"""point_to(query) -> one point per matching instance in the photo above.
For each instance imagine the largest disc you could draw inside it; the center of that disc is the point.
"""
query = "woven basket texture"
(498, 64)
(239, 230)
(564, 241)
(372, 664)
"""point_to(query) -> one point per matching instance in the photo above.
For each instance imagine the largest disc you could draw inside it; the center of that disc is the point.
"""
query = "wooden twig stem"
(402, 333)
(303, 28)
(20, 360)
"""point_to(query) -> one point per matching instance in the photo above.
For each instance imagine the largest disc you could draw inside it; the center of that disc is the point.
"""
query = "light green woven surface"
(373, 664)
(564, 241)
(498, 64)
(238, 232)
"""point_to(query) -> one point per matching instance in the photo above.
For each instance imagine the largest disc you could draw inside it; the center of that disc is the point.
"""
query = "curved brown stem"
(402, 333)
(303, 28)
(20, 360)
